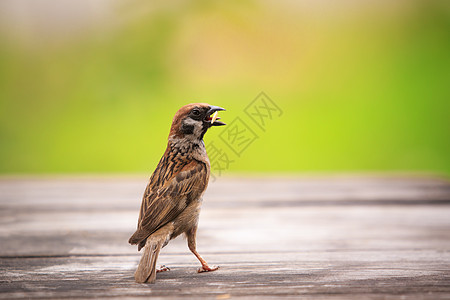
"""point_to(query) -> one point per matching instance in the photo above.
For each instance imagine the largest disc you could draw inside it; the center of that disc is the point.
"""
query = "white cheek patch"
(198, 126)
(189, 121)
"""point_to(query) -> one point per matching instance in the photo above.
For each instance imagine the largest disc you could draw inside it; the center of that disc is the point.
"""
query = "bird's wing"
(165, 203)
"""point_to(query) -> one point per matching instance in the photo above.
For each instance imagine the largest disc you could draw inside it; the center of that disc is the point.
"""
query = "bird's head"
(193, 120)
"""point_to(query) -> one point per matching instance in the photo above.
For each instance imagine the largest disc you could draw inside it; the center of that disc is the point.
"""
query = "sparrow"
(173, 197)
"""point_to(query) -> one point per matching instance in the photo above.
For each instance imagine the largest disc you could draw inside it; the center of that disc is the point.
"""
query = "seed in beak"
(214, 117)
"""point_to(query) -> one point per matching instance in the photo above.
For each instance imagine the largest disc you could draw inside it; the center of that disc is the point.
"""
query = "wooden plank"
(340, 237)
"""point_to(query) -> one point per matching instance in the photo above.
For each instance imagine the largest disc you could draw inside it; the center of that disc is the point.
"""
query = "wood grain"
(341, 237)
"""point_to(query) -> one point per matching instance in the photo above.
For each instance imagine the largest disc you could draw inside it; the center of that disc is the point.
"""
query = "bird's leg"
(162, 268)
(191, 234)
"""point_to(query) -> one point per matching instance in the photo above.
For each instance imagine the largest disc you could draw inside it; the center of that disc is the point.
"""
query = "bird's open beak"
(214, 119)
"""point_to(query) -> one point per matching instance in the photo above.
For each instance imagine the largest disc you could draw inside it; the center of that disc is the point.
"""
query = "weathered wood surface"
(337, 237)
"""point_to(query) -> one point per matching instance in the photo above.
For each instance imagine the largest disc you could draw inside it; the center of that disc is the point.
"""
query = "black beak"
(213, 109)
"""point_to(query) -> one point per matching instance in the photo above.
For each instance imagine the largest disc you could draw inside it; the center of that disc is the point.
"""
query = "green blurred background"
(92, 86)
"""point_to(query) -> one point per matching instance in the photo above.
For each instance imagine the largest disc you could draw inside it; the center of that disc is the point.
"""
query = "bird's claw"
(162, 268)
(207, 269)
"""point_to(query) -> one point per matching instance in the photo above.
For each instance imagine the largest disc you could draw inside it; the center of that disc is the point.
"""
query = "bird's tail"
(146, 271)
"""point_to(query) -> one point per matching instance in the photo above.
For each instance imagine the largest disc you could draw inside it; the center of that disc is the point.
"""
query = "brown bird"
(173, 197)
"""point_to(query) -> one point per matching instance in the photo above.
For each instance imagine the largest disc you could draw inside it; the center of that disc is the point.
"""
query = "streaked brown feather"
(177, 180)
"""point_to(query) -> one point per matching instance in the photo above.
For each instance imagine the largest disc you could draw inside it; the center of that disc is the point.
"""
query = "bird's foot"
(207, 268)
(162, 268)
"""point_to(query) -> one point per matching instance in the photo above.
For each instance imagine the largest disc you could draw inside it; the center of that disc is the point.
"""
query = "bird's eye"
(195, 112)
